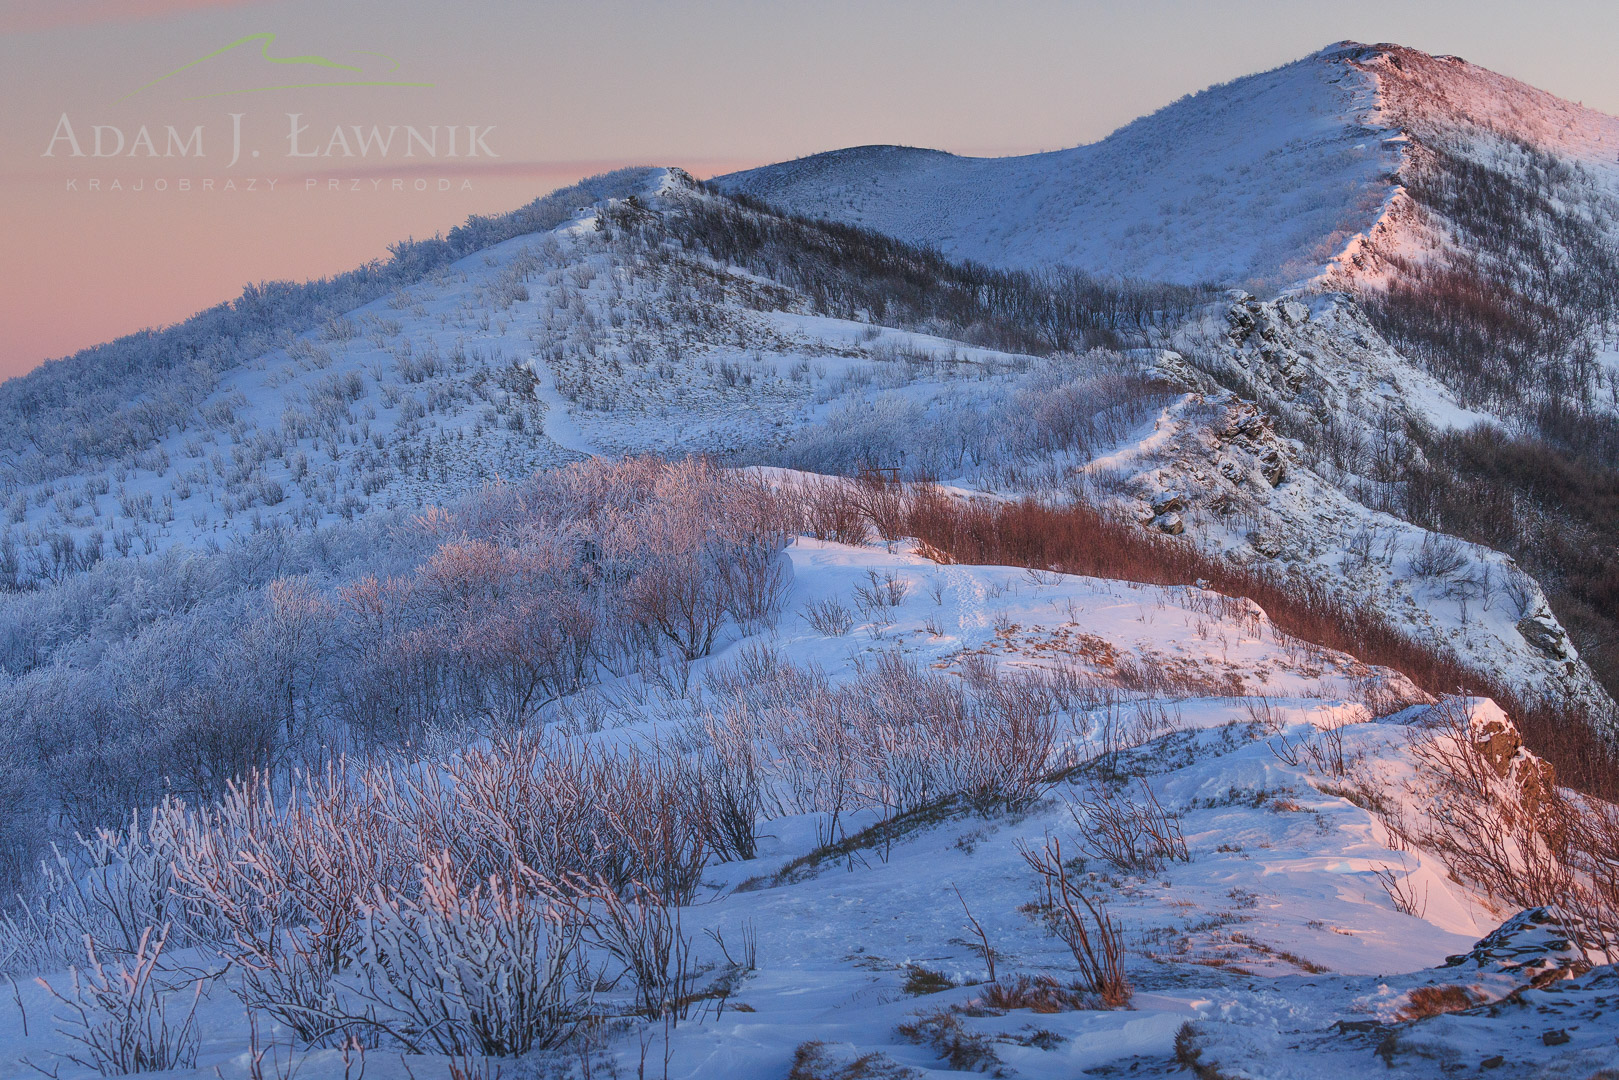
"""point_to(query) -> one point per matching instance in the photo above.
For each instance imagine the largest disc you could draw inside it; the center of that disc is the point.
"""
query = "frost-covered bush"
(1066, 406)
(313, 887)
(118, 1017)
(439, 904)
(178, 674)
(893, 739)
(119, 398)
(493, 969)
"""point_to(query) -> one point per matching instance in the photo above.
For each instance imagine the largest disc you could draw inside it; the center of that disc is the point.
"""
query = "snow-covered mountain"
(1260, 180)
(1472, 220)
(1462, 126)
(620, 331)
(1275, 179)
(402, 516)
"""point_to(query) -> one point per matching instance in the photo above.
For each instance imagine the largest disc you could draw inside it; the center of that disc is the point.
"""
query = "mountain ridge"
(713, 607)
(613, 328)
(1166, 164)
(1349, 95)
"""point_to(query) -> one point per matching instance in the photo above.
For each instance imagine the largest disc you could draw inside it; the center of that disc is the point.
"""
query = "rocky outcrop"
(1292, 437)
(1522, 1002)
(1541, 630)
(1533, 946)
(1531, 779)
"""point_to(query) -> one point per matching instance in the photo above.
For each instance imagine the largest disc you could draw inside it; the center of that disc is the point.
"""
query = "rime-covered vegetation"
(651, 625)
(459, 373)
(180, 674)
(574, 850)
(102, 408)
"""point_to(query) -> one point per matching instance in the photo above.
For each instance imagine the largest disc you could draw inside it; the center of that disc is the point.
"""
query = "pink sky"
(21, 15)
(570, 89)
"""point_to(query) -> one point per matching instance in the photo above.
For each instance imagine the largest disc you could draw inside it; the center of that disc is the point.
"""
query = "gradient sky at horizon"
(575, 88)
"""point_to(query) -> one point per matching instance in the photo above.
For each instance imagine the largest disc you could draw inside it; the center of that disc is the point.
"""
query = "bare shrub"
(885, 591)
(1134, 834)
(1288, 753)
(389, 685)
(943, 1032)
(1262, 715)
(1083, 924)
(984, 948)
(895, 737)
(755, 579)
(881, 498)
(1322, 750)
(527, 591)
(813, 1061)
(832, 511)
(120, 1019)
(490, 970)
(1037, 993)
(1440, 556)
(828, 617)
(1496, 816)
(1402, 891)
(733, 779)
(679, 598)
(1152, 720)
(1325, 750)
(800, 724)
(111, 890)
(1591, 828)
(513, 618)
(641, 931)
(925, 737)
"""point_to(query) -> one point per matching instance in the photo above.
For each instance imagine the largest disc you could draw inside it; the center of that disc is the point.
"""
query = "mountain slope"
(1452, 114)
(1298, 174)
(1475, 392)
(1496, 262)
(673, 322)
(84, 412)
(1159, 638)
(1263, 179)
(1301, 885)
(594, 332)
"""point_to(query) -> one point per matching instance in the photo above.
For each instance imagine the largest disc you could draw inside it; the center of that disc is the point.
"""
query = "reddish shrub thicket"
(1491, 816)
(1082, 539)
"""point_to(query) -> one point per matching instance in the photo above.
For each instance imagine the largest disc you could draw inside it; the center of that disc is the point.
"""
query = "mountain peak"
(1222, 185)
(1271, 180)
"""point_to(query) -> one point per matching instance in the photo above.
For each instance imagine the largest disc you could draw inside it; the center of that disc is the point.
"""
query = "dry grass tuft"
(1037, 993)
(1427, 1001)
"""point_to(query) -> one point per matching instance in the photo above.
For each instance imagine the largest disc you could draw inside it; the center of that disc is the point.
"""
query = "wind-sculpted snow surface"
(879, 883)
(1263, 179)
